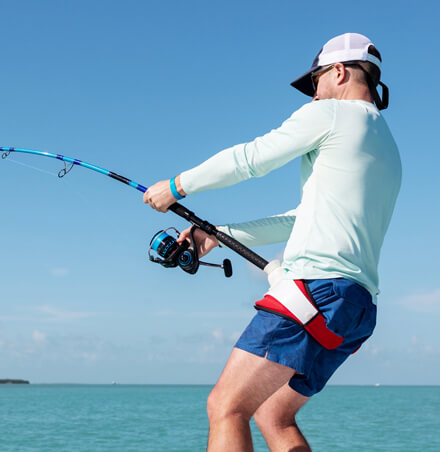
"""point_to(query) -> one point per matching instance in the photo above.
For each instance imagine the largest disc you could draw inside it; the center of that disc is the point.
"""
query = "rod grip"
(190, 216)
(242, 250)
(182, 211)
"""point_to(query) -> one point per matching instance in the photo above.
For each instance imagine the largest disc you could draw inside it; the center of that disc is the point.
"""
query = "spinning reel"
(170, 254)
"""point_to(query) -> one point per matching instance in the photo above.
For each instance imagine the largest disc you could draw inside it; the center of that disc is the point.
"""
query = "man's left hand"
(159, 196)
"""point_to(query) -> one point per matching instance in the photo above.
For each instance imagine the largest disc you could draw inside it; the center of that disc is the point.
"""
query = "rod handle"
(240, 249)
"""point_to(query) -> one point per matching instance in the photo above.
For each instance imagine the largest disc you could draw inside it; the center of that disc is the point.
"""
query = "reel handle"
(227, 266)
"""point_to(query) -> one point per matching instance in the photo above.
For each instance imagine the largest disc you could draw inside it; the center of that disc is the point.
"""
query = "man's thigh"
(246, 382)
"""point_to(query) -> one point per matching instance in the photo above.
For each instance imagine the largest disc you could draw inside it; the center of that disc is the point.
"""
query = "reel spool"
(169, 253)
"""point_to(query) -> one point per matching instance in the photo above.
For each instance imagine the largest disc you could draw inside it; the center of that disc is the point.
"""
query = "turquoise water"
(172, 418)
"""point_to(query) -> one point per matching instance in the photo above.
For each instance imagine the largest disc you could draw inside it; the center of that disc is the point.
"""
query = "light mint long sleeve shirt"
(350, 178)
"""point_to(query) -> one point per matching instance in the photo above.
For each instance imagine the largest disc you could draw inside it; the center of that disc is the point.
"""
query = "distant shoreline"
(10, 381)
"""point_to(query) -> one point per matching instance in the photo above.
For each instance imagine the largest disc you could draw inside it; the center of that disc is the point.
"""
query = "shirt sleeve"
(264, 231)
(298, 135)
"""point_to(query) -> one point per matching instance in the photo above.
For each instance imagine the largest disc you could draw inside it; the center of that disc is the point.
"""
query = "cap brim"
(304, 83)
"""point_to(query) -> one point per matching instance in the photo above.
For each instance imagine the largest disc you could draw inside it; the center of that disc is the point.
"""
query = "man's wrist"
(174, 190)
(179, 188)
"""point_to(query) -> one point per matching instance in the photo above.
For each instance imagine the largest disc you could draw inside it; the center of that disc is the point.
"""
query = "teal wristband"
(173, 188)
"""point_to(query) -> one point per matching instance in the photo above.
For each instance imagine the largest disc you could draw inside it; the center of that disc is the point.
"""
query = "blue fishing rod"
(164, 248)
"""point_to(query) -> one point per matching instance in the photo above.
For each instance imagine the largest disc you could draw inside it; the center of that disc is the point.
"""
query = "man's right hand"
(204, 242)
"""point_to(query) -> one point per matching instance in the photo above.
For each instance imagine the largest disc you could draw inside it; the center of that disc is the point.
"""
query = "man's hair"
(370, 70)
(369, 74)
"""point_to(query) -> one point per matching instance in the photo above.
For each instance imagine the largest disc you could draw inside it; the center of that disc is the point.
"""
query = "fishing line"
(31, 167)
(75, 190)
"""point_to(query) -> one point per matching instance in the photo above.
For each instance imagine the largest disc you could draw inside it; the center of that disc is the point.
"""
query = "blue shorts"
(348, 311)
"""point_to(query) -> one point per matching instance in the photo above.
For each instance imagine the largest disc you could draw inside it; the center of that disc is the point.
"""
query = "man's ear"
(342, 74)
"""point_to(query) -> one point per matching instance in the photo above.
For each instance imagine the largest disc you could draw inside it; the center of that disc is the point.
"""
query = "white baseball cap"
(349, 47)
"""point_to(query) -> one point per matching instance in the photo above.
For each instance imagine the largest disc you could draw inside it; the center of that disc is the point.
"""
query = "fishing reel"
(170, 253)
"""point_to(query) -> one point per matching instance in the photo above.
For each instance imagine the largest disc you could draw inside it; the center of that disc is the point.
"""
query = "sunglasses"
(317, 74)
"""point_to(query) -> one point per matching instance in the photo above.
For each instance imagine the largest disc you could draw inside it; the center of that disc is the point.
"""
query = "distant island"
(9, 381)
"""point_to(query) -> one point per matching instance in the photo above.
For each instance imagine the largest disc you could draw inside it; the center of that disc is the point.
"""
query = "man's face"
(324, 85)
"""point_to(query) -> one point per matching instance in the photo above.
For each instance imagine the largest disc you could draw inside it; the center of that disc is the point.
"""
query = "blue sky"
(149, 89)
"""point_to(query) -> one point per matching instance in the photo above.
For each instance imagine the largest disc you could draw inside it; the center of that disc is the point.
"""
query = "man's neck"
(355, 92)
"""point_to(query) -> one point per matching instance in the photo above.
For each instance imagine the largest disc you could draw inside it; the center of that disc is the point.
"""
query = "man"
(350, 176)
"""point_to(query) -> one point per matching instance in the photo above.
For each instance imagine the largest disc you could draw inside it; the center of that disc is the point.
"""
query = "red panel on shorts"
(318, 329)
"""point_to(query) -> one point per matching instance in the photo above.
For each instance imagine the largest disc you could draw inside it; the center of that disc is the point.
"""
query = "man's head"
(346, 62)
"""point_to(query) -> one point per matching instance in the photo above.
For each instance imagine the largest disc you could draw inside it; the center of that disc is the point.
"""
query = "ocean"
(165, 418)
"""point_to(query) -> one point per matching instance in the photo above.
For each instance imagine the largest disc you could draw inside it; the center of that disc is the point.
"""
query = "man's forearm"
(264, 231)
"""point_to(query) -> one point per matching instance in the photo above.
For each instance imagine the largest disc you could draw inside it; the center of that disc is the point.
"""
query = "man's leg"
(276, 420)
(245, 383)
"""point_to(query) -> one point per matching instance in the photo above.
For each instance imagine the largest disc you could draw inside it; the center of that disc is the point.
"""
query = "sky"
(149, 89)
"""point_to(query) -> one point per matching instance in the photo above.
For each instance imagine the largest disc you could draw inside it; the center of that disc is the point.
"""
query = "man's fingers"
(184, 235)
(159, 196)
(148, 199)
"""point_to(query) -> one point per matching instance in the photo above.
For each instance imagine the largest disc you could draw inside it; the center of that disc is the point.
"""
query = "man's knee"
(279, 411)
(211, 404)
(268, 418)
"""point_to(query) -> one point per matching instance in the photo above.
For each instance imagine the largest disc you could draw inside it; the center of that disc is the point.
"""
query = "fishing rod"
(164, 248)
